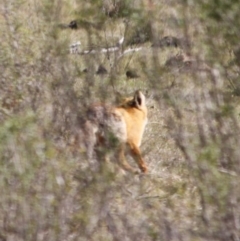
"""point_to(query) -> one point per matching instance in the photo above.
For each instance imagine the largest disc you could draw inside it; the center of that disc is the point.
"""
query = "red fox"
(119, 127)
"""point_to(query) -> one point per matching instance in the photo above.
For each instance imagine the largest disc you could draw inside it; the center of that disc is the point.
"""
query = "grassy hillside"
(186, 59)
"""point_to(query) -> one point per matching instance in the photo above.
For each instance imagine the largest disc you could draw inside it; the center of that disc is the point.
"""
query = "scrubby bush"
(49, 188)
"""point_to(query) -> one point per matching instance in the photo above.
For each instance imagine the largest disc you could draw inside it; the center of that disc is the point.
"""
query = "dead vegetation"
(50, 190)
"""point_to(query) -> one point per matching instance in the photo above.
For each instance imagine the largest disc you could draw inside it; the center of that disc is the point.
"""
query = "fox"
(118, 127)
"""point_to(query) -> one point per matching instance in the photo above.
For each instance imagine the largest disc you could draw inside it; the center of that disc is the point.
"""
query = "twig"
(232, 173)
(148, 197)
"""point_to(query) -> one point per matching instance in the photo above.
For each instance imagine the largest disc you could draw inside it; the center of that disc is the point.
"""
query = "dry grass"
(50, 191)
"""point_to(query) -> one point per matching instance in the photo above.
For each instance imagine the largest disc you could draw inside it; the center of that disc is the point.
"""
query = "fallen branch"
(74, 49)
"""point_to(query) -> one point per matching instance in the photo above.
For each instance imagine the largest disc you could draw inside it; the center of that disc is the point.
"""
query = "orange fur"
(120, 127)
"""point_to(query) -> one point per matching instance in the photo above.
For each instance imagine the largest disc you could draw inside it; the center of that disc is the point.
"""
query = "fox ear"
(139, 99)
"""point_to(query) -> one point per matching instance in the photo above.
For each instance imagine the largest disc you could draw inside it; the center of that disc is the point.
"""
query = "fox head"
(137, 101)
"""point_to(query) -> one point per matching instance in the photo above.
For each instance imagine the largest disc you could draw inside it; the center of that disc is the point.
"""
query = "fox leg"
(136, 154)
(122, 160)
